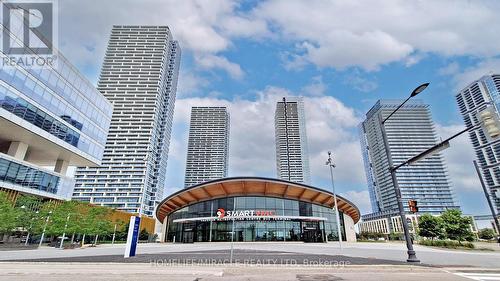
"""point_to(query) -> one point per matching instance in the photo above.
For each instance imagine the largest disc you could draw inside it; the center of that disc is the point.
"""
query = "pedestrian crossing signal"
(413, 206)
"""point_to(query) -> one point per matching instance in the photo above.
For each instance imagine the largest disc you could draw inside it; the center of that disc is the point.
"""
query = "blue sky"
(340, 55)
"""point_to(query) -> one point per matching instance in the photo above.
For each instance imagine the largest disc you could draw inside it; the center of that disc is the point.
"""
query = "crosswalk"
(479, 275)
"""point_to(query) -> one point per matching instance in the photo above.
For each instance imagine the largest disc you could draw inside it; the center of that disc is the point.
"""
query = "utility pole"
(492, 209)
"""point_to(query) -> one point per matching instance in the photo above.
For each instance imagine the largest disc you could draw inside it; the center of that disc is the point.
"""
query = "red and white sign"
(221, 213)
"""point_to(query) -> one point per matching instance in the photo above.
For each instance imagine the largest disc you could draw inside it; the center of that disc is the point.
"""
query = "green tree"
(28, 202)
(486, 233)
(8, 215)
(48, 219)
(430, 226)
(65, 218)
(96, 221)
(27, 206)
(76, 221)
(456, 226)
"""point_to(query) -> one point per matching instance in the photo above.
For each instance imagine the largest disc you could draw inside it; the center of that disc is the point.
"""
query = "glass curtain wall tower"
(139, 77)
(292, 156)
(471, 100)
(409, 132)
(208, 145)
(50, 116)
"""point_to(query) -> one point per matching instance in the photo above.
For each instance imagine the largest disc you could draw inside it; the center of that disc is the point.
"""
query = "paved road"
(219, 257)
(142, 271)
(375, 251)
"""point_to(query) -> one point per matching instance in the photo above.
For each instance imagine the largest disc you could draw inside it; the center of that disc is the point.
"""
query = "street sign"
(132, 237)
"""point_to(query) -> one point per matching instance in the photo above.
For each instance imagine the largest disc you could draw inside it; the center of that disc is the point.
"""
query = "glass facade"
(472, 100)
(409, 131)
(76, 111)
(38, 117)
(286, 220)
(26, 176)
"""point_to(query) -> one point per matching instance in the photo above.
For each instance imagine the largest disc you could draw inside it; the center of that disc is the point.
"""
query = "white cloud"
(292, 61)
(316, 88)
(204, 28)
(369, 50)
(323, 32)
(244, 26)
(361, 199)
(468, 75)
(370, 34)
(414, 59)
(213, 62)
(360, 83)
(190, 83)
(450, 69)
(331, 125)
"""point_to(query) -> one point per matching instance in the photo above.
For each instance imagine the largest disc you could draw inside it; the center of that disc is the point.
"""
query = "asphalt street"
(384, 252)
(218, 257)
(143, 271)
(251, 261)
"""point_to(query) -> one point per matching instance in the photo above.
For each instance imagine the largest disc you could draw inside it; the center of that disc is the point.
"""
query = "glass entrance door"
(311, 232)
(188, 232)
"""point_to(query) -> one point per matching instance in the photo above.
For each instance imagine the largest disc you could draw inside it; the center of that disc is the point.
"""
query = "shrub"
(398, 236)
(371, 235)
(486, 234)
(446, 244)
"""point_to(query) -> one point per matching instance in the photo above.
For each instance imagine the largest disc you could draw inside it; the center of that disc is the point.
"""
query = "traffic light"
(490, 123)
(413, 206)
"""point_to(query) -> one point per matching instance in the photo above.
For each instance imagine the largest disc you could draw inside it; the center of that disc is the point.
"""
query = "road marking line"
(480, 276)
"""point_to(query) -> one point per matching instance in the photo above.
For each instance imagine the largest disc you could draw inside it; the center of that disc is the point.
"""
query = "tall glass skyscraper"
(471, 100)
(368, 169)
(50, 116)
(292, 155)
(139, 77)
(208, 145)
(409, 131)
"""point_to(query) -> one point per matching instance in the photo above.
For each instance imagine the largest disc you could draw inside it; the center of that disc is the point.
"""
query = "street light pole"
(64, 233)
(492, 209)
(28, 236)
(232, 233)
(330, 163)
(114, 235)
(44, 228)
(412, 257)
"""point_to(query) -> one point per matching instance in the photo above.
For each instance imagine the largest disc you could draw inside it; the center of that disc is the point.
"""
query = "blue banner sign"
(132, 237)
